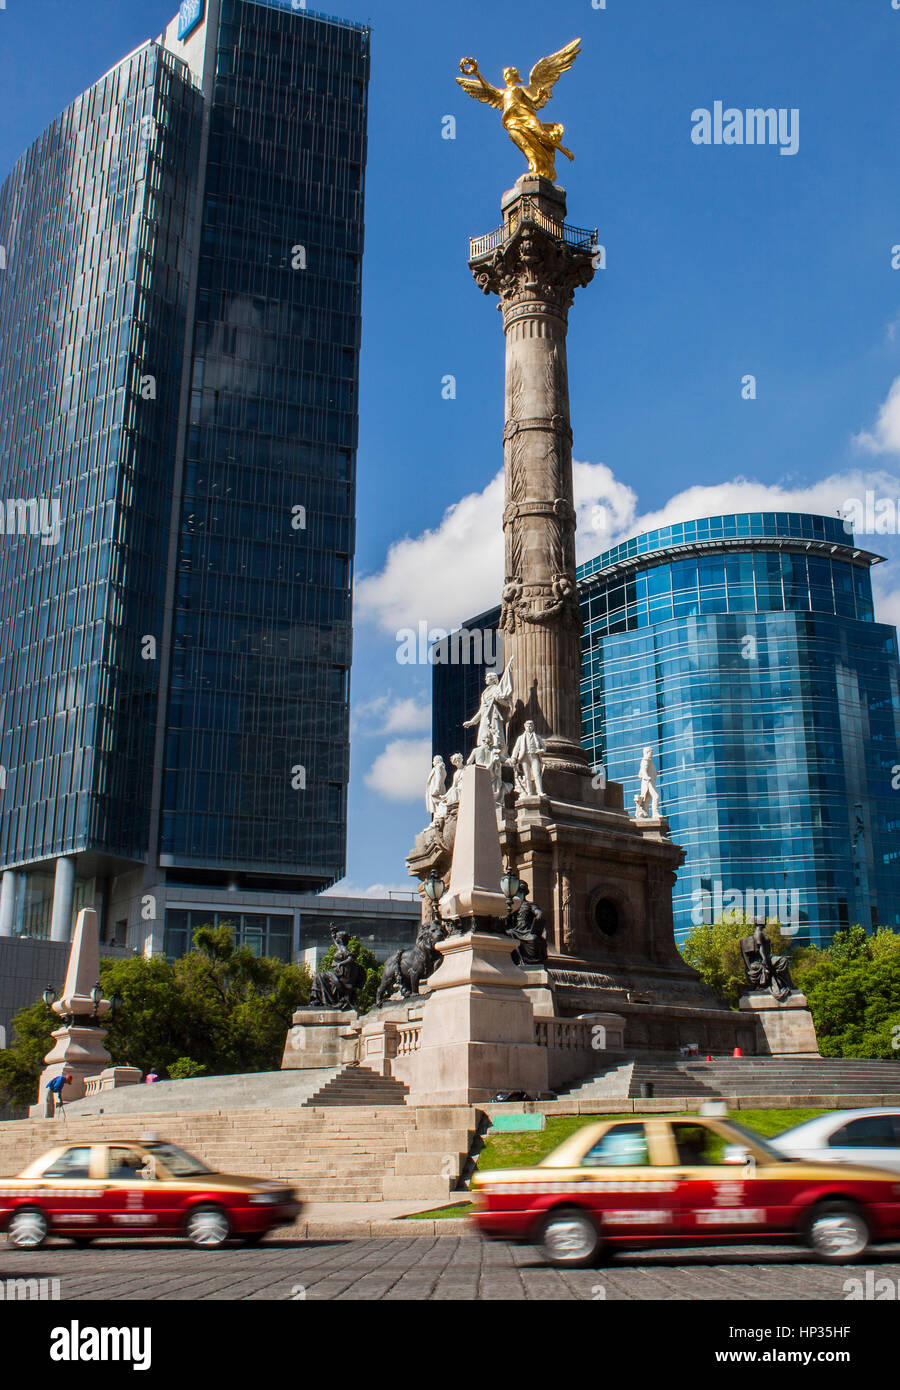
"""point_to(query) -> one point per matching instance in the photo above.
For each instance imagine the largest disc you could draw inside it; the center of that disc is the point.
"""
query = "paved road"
(427, 1268)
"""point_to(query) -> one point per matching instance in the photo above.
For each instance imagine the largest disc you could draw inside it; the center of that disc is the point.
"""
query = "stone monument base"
(478, 1030)
(79, 1052)
(321, 1038)
(784, 1030)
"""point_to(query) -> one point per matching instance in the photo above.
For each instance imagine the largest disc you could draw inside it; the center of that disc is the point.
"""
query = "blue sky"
(722, 261)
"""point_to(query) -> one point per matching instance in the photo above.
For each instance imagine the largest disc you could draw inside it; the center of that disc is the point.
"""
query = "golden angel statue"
(519, 103)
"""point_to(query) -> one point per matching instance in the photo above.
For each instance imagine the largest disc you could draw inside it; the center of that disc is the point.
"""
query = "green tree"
(22, 1062)
(219, 1009)
(853, 991)
(373, 968)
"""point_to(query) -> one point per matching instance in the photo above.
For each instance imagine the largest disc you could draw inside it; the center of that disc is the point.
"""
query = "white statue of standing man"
(649, 791)
(494, 710)
(528, 760)
(437, 782)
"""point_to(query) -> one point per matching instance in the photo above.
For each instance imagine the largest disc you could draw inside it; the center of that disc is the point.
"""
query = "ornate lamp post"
(510, 885)
(434, 888)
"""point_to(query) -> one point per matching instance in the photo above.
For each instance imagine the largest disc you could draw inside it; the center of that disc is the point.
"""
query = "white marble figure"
(450, 800)
(436, 785)
(489, 755)
(648, 791)
(494, 710)
(527, 760)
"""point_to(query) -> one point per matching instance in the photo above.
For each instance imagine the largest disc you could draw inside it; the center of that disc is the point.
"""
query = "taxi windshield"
(179, 1163)
(757, 1141)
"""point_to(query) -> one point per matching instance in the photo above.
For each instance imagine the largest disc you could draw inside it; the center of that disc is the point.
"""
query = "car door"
(872, 1139)
(137, 1196)
(618, 1180)
(70, 1190)
(717, 1198)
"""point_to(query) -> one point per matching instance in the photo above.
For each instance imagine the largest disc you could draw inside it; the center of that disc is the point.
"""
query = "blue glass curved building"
(745, 650)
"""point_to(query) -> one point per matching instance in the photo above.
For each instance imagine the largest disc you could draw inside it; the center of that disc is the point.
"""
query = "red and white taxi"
(683, 1180)
(126, 1188)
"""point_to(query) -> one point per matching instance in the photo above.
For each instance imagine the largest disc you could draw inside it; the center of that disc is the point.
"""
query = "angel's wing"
(481, 90)
(504, 685)
(545, 73)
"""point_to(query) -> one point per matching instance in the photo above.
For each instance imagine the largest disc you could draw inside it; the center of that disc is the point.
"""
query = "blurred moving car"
(683, 1180)
(846, 1136)
(117, 1188)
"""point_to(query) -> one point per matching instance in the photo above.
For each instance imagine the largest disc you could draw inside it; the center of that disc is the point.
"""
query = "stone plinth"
(79, 1052)
(785, 1030)
(321, 1038)
(539, 988)
(478, 1033)
(477, 868)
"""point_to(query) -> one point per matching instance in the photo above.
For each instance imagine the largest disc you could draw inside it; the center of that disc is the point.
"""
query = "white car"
(871, 1137)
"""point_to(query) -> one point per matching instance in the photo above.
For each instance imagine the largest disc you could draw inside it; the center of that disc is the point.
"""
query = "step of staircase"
(852, 1080)
(359, 1086)
(332, 1153)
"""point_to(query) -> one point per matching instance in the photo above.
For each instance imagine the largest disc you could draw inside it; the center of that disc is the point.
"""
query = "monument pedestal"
(79, 1052)
(539, 989)
(321, 1038)
(785, 1030)
(478, 1032)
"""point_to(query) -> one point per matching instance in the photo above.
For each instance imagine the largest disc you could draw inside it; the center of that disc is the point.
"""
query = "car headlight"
(265, 1199)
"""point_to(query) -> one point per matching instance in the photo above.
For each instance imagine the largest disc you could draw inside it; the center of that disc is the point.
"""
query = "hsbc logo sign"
(189, 16)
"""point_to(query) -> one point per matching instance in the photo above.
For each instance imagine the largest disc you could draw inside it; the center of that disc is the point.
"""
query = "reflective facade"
(262, 632)
(179, 341)
(95, 221)
(744, 650)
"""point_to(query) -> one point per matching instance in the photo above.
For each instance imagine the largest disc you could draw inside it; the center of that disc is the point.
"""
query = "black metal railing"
(529, 211)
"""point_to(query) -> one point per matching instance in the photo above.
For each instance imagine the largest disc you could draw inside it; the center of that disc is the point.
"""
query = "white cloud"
(885, 437)
(408, 717)
(400, 771)
(449, 574)
(385, 715)
(346, 888)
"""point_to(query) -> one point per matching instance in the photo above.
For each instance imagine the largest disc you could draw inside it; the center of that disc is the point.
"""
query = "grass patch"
(525, 1150)
(441, 1213)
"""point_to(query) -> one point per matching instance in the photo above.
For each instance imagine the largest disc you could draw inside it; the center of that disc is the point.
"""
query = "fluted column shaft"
(535, 272)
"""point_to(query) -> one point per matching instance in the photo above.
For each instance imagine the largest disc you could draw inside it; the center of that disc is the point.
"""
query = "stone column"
(63, 897)
(8, 903)
(535, 270)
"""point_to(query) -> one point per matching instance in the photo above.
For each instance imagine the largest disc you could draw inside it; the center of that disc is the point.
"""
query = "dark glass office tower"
(179, 340)
(744, 650)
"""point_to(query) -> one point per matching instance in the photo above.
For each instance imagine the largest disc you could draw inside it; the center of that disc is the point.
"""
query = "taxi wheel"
(207, 1227)
(838, 1232)
(569, 1237)
(28, 1229)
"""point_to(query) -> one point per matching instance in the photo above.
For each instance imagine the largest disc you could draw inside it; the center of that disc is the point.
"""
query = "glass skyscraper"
(745, 651)
(179, 342)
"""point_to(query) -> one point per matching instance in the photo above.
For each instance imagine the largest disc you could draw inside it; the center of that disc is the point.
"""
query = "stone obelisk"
(534, 262)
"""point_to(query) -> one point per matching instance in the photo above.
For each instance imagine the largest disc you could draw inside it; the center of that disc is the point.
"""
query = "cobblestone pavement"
(427, 1268)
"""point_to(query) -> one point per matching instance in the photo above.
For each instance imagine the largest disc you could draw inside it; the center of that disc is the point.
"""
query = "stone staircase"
(359, 1086)
(337, 1153)
(837, 1081)
(266, 1090)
